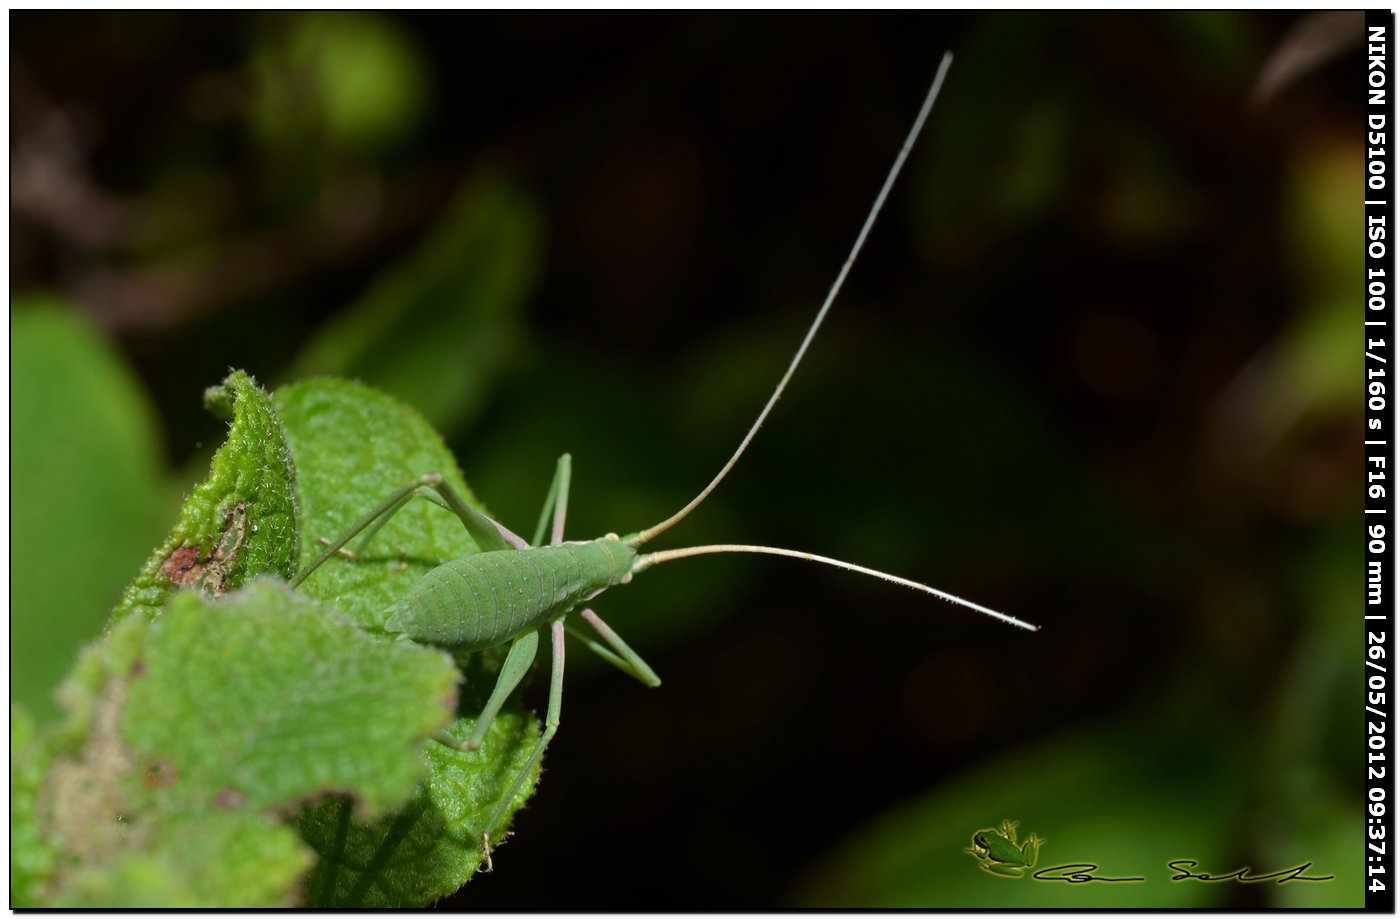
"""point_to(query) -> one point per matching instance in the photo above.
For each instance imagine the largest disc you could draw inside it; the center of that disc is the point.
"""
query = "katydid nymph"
(510, 590)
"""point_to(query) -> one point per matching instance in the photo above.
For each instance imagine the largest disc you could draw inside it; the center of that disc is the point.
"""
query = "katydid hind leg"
(550, 498)
(486, 533)
(551, 725)
(561, 504)
(512, 541)
(388, 507)
(363, 545)
(517, 664)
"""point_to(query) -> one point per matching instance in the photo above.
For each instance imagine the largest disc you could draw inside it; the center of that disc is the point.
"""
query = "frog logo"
(998, 852)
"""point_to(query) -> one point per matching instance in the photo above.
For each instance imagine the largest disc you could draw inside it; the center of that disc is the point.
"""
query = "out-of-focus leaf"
(1147, 200)
(1321, 216)
(239, 522)
(969, 180)
(203, 861)
(1318, 365)
(1217, 42)
(1312, 368)
(1309, 791)
(293, 700)
(353, 446)
(1323, 828)
(1311, 42)
(87, 500)
(437, 329)
(1127, 809)
(345, 80)
(31, 855)
(190, 734)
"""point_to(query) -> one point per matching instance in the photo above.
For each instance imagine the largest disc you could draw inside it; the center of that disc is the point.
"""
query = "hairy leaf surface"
(239, 522)
(353, 445)
(190, 736)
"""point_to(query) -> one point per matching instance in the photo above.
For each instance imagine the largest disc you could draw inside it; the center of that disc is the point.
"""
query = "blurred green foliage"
(335, 81)
(438, 328)
(1099, 367)
(88, 493)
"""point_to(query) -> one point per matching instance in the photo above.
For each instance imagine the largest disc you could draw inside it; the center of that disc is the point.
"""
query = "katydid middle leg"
(555, 502)
(522, 650)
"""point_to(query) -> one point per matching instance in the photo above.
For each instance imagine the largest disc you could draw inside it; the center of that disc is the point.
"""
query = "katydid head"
(636, 540)
(621, 557)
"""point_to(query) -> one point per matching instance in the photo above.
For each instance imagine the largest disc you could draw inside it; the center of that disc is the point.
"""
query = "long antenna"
(655, 558)
(654, 531)
(646, 560)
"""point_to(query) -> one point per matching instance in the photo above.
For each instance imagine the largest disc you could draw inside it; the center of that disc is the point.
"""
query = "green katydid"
(510, 589)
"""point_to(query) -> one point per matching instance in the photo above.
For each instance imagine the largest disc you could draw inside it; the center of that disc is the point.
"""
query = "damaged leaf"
(190, 738)
(240, 521)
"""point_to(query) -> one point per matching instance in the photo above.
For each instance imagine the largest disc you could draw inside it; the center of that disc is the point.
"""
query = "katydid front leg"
(518, 661)
(551, 725)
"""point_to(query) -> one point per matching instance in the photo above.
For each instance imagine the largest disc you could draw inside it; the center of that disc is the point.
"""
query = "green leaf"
(353, 446)
(308, 705)
(432, 846)
(239, 522)
(192, 734)
(87, 500)
(437, 329)
(203, 861)
(32, 856)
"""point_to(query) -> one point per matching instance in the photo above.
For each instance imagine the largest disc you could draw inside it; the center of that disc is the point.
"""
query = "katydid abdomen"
(490, 598)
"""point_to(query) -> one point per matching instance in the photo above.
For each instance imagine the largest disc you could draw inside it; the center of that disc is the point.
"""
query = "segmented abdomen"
(490, 598)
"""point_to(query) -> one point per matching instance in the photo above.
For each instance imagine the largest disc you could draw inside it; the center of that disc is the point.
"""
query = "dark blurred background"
(1097, 368)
